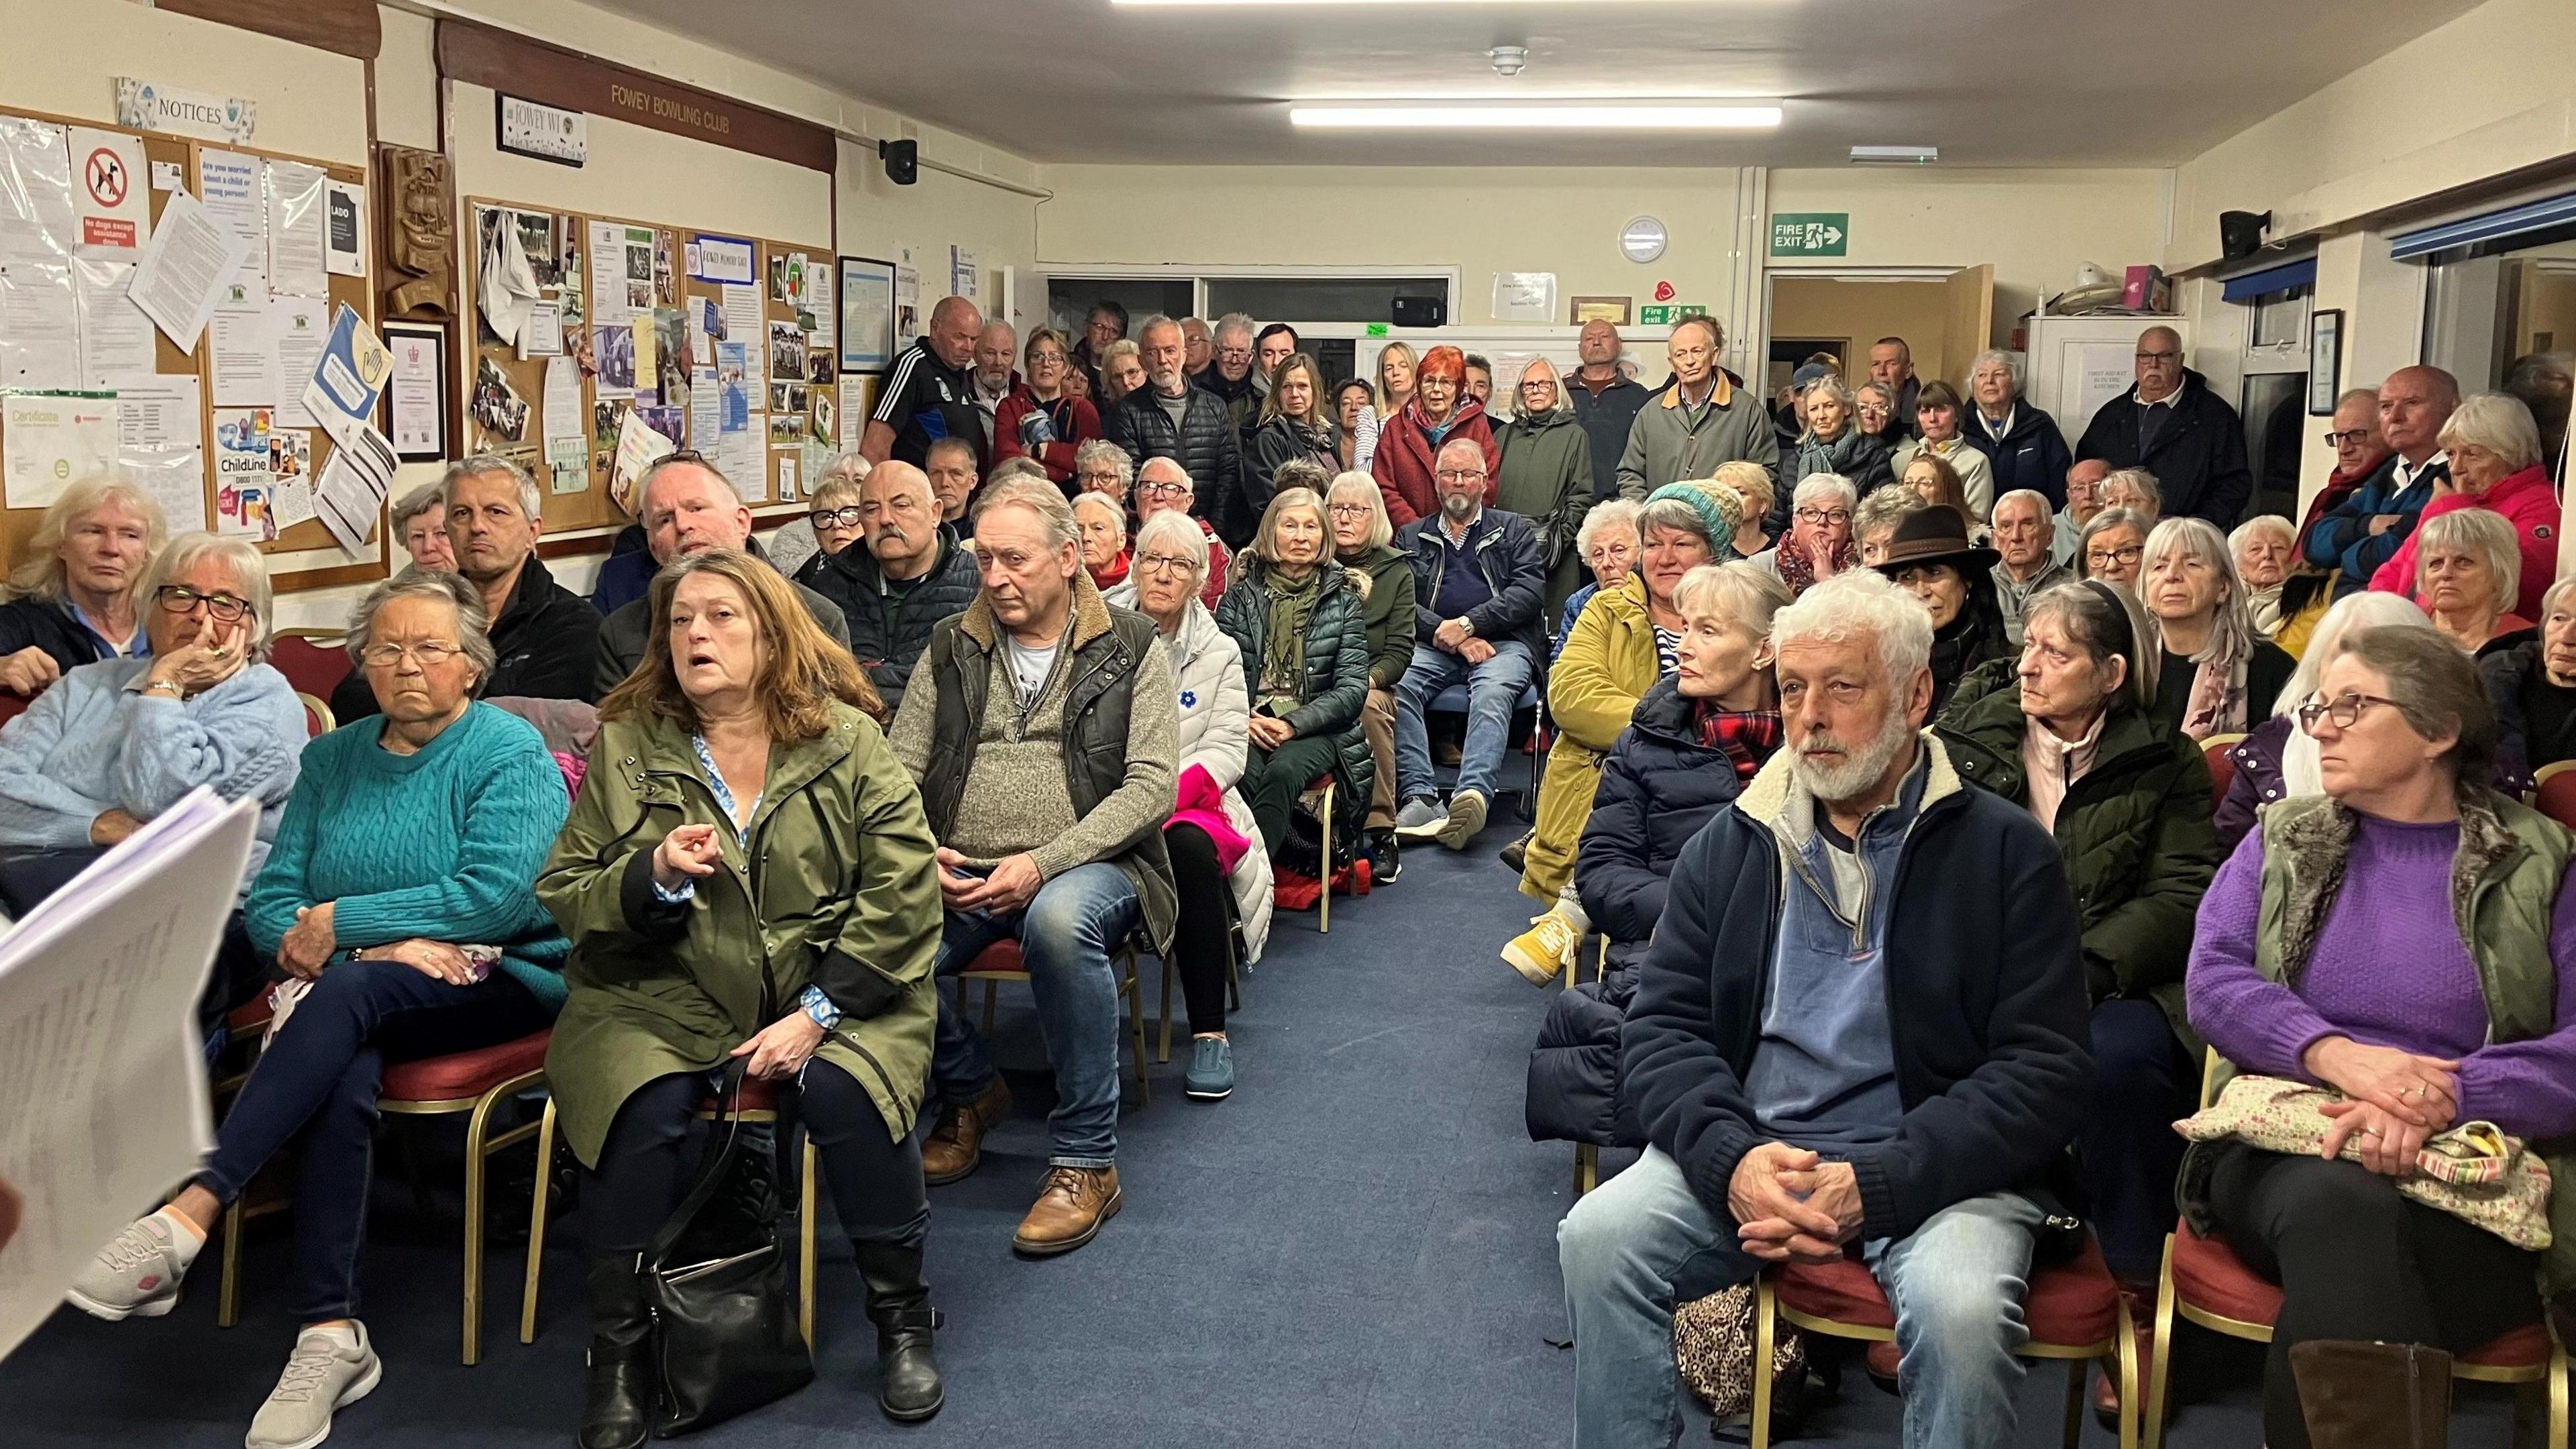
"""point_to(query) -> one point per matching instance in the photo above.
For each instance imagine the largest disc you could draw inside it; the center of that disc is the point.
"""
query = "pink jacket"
(2527, 502)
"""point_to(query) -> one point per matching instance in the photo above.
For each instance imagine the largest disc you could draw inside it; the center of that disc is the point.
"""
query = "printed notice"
(108, 194)
(187, 269)
(115, 336)
(51, 440)
(229, 184)
(298, 230)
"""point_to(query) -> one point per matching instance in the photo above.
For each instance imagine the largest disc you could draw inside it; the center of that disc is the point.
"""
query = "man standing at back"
(1857, 883)
(929, 392)
(1043, 731)
(1605, 401)
(2172, 425)
(1168, 418)
(910, 572)
(994, 379)
(2367, 528)
(1702, 420)
(1891, 365)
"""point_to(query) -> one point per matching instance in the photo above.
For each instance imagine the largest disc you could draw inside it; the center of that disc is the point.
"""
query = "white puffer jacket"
(1216, 732)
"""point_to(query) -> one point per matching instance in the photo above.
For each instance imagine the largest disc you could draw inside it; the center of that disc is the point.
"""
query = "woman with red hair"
(1408, 442)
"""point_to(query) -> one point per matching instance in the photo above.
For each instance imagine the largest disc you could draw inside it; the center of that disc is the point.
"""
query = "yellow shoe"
(1540, 953)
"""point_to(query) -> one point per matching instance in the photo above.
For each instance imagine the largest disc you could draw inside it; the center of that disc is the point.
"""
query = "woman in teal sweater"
(401, 890)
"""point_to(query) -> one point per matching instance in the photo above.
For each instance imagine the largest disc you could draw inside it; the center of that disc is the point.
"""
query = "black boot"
(908, 1386)
(616, 1405)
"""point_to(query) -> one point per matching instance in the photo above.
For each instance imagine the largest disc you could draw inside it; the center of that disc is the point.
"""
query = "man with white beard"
(1858, 880)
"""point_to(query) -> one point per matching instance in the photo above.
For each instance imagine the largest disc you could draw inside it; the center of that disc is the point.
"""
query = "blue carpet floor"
(1356, 1250)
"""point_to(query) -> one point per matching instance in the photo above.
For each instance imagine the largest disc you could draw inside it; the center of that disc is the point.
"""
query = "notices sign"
(110, 191)
(151, 106)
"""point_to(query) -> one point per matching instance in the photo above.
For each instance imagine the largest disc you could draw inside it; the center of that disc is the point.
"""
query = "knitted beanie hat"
(1714, 502)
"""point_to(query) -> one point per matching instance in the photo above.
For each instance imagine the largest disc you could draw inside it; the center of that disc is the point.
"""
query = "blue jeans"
(1642, 1241)
(316, 1086)
(1494, 690)
(1065, 937)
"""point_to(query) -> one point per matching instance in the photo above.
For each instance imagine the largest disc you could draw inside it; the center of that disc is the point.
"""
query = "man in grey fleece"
(1040, 724)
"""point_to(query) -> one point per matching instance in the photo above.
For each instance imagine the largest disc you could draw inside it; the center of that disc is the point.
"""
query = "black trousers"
(1203, 933)
(1273, 779)
(2357, 1261)
(875, 1176)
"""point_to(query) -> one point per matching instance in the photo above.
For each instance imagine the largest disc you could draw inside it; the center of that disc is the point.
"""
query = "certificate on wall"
(417, 413)
(867, 314)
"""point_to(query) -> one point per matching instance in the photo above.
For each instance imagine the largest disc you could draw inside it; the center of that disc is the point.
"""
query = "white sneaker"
(330, 1367)
(137, 1274)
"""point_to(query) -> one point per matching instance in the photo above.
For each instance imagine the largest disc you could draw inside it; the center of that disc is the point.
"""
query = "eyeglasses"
(1236, 353)
(1161, 489)
(1347, 510)
(1460, 475)
(180, 599)
(1163, 563)
(430, 653)
(834, 517)
(1037, 357)
(1822, 516)
(2356, 435)
(2103, 558)
(2345, 712)
(2160, 357)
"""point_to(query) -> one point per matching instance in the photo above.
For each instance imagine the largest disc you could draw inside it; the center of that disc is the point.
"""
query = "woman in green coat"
(1546, 477)
(1361, 534)
(746, 874)
(1299, 619)
(2067, 733)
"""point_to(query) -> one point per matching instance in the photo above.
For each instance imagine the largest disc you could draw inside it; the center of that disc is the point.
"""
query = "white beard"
(1858, 771)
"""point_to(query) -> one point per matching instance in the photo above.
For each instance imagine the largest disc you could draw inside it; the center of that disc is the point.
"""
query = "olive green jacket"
(1389, 613)
(1546, 477)
(831, 886)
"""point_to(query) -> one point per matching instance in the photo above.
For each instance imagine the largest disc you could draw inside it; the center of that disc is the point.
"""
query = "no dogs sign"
(110, 190)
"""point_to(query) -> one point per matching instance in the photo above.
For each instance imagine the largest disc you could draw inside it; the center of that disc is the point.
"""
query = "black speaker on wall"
(2240, 233)
(1421, 312)
(902, 161)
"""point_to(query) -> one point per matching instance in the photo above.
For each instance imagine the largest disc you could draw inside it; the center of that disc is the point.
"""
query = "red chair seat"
(2524, 1347)
(1002, 955)
(251, 1015)
(759, 1094)
(2071, 1304)
(464, 1074)
(2210, 1277)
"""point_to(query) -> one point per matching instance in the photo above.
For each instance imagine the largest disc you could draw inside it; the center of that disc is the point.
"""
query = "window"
(2502, 318)
(1070, 299)
(1318, 299)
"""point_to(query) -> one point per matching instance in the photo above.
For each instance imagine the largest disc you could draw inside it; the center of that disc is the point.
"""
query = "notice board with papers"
(601, 342)
(176, 352)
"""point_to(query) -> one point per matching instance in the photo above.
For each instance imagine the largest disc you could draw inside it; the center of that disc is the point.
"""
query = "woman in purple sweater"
(2329, 951)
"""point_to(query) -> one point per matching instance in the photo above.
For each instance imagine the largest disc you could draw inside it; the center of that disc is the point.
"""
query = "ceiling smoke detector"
(1508, 59)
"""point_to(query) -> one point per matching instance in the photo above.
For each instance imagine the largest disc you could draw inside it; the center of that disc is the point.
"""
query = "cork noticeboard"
(298, 453)
(639, 324)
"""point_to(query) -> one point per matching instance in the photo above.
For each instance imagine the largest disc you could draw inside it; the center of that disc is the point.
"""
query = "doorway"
(1946, 319)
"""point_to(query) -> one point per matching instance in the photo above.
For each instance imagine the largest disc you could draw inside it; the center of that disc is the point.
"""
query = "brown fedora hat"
(1937, 534)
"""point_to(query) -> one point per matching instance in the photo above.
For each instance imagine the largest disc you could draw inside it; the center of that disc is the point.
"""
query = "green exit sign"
(1810, 233)
(1665, 316)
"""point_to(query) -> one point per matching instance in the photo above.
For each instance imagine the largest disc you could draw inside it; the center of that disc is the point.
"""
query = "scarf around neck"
(1799, 571)
(1283, 647)
(2217, 704)
(1748, 737)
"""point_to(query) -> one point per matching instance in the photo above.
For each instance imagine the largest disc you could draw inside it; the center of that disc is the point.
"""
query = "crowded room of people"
(1612, 723)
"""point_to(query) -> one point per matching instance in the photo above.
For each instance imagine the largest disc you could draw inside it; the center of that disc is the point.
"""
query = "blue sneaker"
(1211, 1074)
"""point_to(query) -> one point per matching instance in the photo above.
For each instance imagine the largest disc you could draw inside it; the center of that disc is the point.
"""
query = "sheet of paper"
(168, 176)
(242, 354)
(51, 440)
(115, 337)
(344, 227)
(706, 407)
(159, 412)
(108, 192)
(175, 478)
(637, 446)
(36, 222)
(648, 364)
(541, 335)
(299, 327)
(787, 477)
(298, 230)
(98, 988)
(821, 311)
(342, 388)
(506, 279)
(350, 497)
(229, 184)
(291, 503)
(563, 400)
(608, 273)
(39, 326)
(746, 319)
(568, 465)
(187, 269)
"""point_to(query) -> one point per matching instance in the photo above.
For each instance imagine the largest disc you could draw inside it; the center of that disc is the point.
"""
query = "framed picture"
(2325, 362)
(416, 405)
(1613, 310)
(867, 314)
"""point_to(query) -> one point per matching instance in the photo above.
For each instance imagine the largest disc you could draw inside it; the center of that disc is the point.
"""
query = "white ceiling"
(1990, 82)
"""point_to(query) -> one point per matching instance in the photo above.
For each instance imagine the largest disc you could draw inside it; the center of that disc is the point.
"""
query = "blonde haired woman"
(1750, 482)
(1397, 364)
(75, 600)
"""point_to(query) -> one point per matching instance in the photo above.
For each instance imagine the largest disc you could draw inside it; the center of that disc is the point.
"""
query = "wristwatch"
(1465, 625)
(175, 690)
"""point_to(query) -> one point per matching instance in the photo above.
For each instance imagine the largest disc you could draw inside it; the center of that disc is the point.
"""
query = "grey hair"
(2498, 422)
(1233, 322)
(2103, 522)
(473, 623)
(1265, 534)
(1832, 386)
(1886, 393)
(1097, 448)
(2435, 686)
(531, 502)
(2029, 495)
(1192, 484)
(834, 486)
(2485, 531)
(1152, 321)
(1822, 487)
(2261, 523)
(954, 444)
(849, 463)
(1107, 504)
(240, 555)
(1617, 513)
(2351, 395)
(664, 464)
(1675, 514)
(2556, 595)
(2011, 368)
(2231, 634)
(1856, 602)
(1363, 487)
(427, 498)
(1303, 473)
(2140, 479)
(1022, 466)
(1181, 534)
(1038, 496)
(1745, 595)
(1885, 507)
(2095, 616)
(2351, 614)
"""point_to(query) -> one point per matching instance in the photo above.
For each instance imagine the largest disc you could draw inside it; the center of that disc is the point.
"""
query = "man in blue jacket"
(1862, 1023)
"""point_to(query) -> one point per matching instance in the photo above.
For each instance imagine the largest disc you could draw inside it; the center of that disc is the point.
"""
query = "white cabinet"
(2076, 364)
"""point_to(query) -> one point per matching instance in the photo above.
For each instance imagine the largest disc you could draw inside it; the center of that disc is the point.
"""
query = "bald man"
(2172, 425)
(910, 572)
(2367, 528)
(1605, 401)
(929, 392)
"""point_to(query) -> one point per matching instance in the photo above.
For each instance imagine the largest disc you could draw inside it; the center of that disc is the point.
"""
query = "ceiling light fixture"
(1177, 4)
(1895, 155)
(1578, 116)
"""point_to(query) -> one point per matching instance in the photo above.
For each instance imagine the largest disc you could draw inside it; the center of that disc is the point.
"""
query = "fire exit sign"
(1666, 316)
(1810, 233)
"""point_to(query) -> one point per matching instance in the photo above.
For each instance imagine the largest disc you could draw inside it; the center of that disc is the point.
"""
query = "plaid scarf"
(1749, 738)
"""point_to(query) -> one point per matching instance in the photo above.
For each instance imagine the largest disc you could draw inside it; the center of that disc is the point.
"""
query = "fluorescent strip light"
(1206, 4)
(1738, 116)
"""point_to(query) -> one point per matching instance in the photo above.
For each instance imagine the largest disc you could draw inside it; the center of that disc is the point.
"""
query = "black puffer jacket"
(1264, 449)
(1337, 672)
(2031, 454)
(888, 634)
(1205, 445)
(1659, 785)
(2198, 455)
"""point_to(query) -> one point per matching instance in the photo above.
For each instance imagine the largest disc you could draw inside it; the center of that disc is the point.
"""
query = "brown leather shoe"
(1070, 1209)
(956, 1145)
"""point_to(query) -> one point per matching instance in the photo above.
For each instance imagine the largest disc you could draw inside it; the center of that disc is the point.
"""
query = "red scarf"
(1748, 738)
(2339, 486)
(1112, 576)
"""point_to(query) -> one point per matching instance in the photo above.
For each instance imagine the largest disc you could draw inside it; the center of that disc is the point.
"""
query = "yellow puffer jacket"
(1607, 665)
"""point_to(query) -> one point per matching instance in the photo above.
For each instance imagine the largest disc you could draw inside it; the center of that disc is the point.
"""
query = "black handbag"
(715, 1278)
